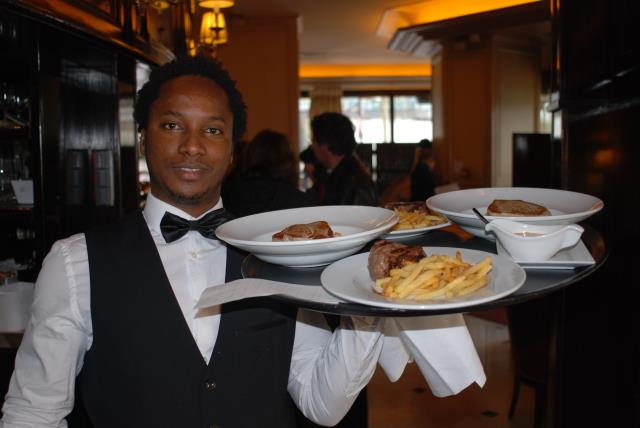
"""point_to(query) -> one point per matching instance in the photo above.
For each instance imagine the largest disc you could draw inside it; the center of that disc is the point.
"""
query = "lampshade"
(213, 30)
(216, 4)
(159, 5)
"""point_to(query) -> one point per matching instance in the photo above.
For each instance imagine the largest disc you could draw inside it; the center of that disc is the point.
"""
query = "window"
(379, 118)
(304, 130)
(371, 115)
(412, 120)
(389, 118)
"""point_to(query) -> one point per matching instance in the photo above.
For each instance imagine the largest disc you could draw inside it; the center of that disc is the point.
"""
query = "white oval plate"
(356, 225)
(397, 235)
(566, 207)
(349, 280)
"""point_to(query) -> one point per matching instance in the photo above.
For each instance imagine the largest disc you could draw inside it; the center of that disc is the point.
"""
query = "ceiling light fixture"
(216, 4)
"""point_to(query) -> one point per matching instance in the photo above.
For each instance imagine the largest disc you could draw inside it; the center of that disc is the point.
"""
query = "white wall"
(515, 103)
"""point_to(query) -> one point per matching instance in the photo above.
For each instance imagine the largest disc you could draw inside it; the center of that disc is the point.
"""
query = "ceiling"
(344, 31)
(335, 31)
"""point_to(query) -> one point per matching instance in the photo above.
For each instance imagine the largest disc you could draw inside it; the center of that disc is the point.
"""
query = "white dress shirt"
(327, 370)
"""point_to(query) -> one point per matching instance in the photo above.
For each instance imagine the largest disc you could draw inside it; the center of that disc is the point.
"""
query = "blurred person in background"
(237, 163)
(315, 174)
(423, 181)
(348, 183)
(267, 179)
(334, 143)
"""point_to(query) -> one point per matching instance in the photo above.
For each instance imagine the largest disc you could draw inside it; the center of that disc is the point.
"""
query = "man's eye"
(170, 125)
(214, 131)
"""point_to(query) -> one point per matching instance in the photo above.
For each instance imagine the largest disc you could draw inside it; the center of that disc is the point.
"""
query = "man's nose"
(191, 143)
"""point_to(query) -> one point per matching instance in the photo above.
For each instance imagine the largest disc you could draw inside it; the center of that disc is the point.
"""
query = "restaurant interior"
(512, 93)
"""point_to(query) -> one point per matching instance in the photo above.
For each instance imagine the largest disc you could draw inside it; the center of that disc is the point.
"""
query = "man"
(114, 306)
(315, 174)
(334, 144)
(423, 182)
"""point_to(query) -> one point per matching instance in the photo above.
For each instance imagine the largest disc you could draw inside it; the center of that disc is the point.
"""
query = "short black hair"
(335, 130)
(191, 66)
(425, 143)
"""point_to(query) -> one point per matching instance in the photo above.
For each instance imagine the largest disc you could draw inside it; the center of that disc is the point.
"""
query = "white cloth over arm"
(41, 392)
(329, 370)
(440, 345)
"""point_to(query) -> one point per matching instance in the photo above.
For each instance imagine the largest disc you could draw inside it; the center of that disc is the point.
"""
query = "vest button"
(210, 385)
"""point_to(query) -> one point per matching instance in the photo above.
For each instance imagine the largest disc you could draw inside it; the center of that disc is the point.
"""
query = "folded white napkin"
(439, 344)
(256, 287)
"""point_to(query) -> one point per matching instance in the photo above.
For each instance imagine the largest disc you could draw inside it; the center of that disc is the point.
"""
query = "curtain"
(325, 98)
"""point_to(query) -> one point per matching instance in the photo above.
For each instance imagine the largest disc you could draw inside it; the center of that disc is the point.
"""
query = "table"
(538, 284)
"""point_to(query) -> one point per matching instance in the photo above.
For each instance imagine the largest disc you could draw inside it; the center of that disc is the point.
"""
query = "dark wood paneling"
(598, 48)
(77, 87)
(108, 9)
(599, 78)
(600, 371)
(536, 161)
(115, 22)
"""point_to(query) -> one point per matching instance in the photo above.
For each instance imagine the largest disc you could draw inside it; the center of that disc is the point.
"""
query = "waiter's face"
(188, 143)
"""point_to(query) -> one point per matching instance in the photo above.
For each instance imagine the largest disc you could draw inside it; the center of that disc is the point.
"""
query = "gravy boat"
(530, 242)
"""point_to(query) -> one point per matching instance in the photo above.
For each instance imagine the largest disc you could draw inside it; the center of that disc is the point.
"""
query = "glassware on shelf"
(13, 107)
(6, 175)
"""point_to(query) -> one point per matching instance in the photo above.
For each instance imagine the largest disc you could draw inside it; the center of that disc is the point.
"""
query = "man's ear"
(143, 135)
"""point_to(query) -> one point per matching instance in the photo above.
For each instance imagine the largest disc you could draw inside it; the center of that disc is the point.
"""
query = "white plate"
(569, 258)
(396, 235)
(356, 225)
(566, 207)
(349, 280)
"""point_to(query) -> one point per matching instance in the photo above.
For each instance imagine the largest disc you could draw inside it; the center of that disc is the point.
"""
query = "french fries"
(416, 219)
(434, 277)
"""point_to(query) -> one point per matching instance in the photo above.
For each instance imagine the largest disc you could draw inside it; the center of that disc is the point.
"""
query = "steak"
(303, 232)
(416, 206)
(515, 207)
(385, 255)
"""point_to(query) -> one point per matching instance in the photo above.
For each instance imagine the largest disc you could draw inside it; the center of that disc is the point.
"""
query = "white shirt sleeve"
(41, 392)
(329, 370)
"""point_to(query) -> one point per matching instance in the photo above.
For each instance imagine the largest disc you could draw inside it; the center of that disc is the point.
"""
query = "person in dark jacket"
(315, 174)
(423, 181)
(268, 178)
(334, 143)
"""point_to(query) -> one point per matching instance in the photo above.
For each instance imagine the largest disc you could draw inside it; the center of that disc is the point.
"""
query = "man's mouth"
(190, 172)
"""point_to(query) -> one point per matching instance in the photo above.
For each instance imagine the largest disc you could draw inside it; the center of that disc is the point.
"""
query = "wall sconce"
(159, 5)
(141, 11)
(213, 30)
(216, 4)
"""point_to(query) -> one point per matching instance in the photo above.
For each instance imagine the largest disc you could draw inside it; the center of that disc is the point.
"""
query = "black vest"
(144, 368)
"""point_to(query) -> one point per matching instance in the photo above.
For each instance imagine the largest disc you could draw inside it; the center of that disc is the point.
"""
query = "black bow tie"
(174, 227)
